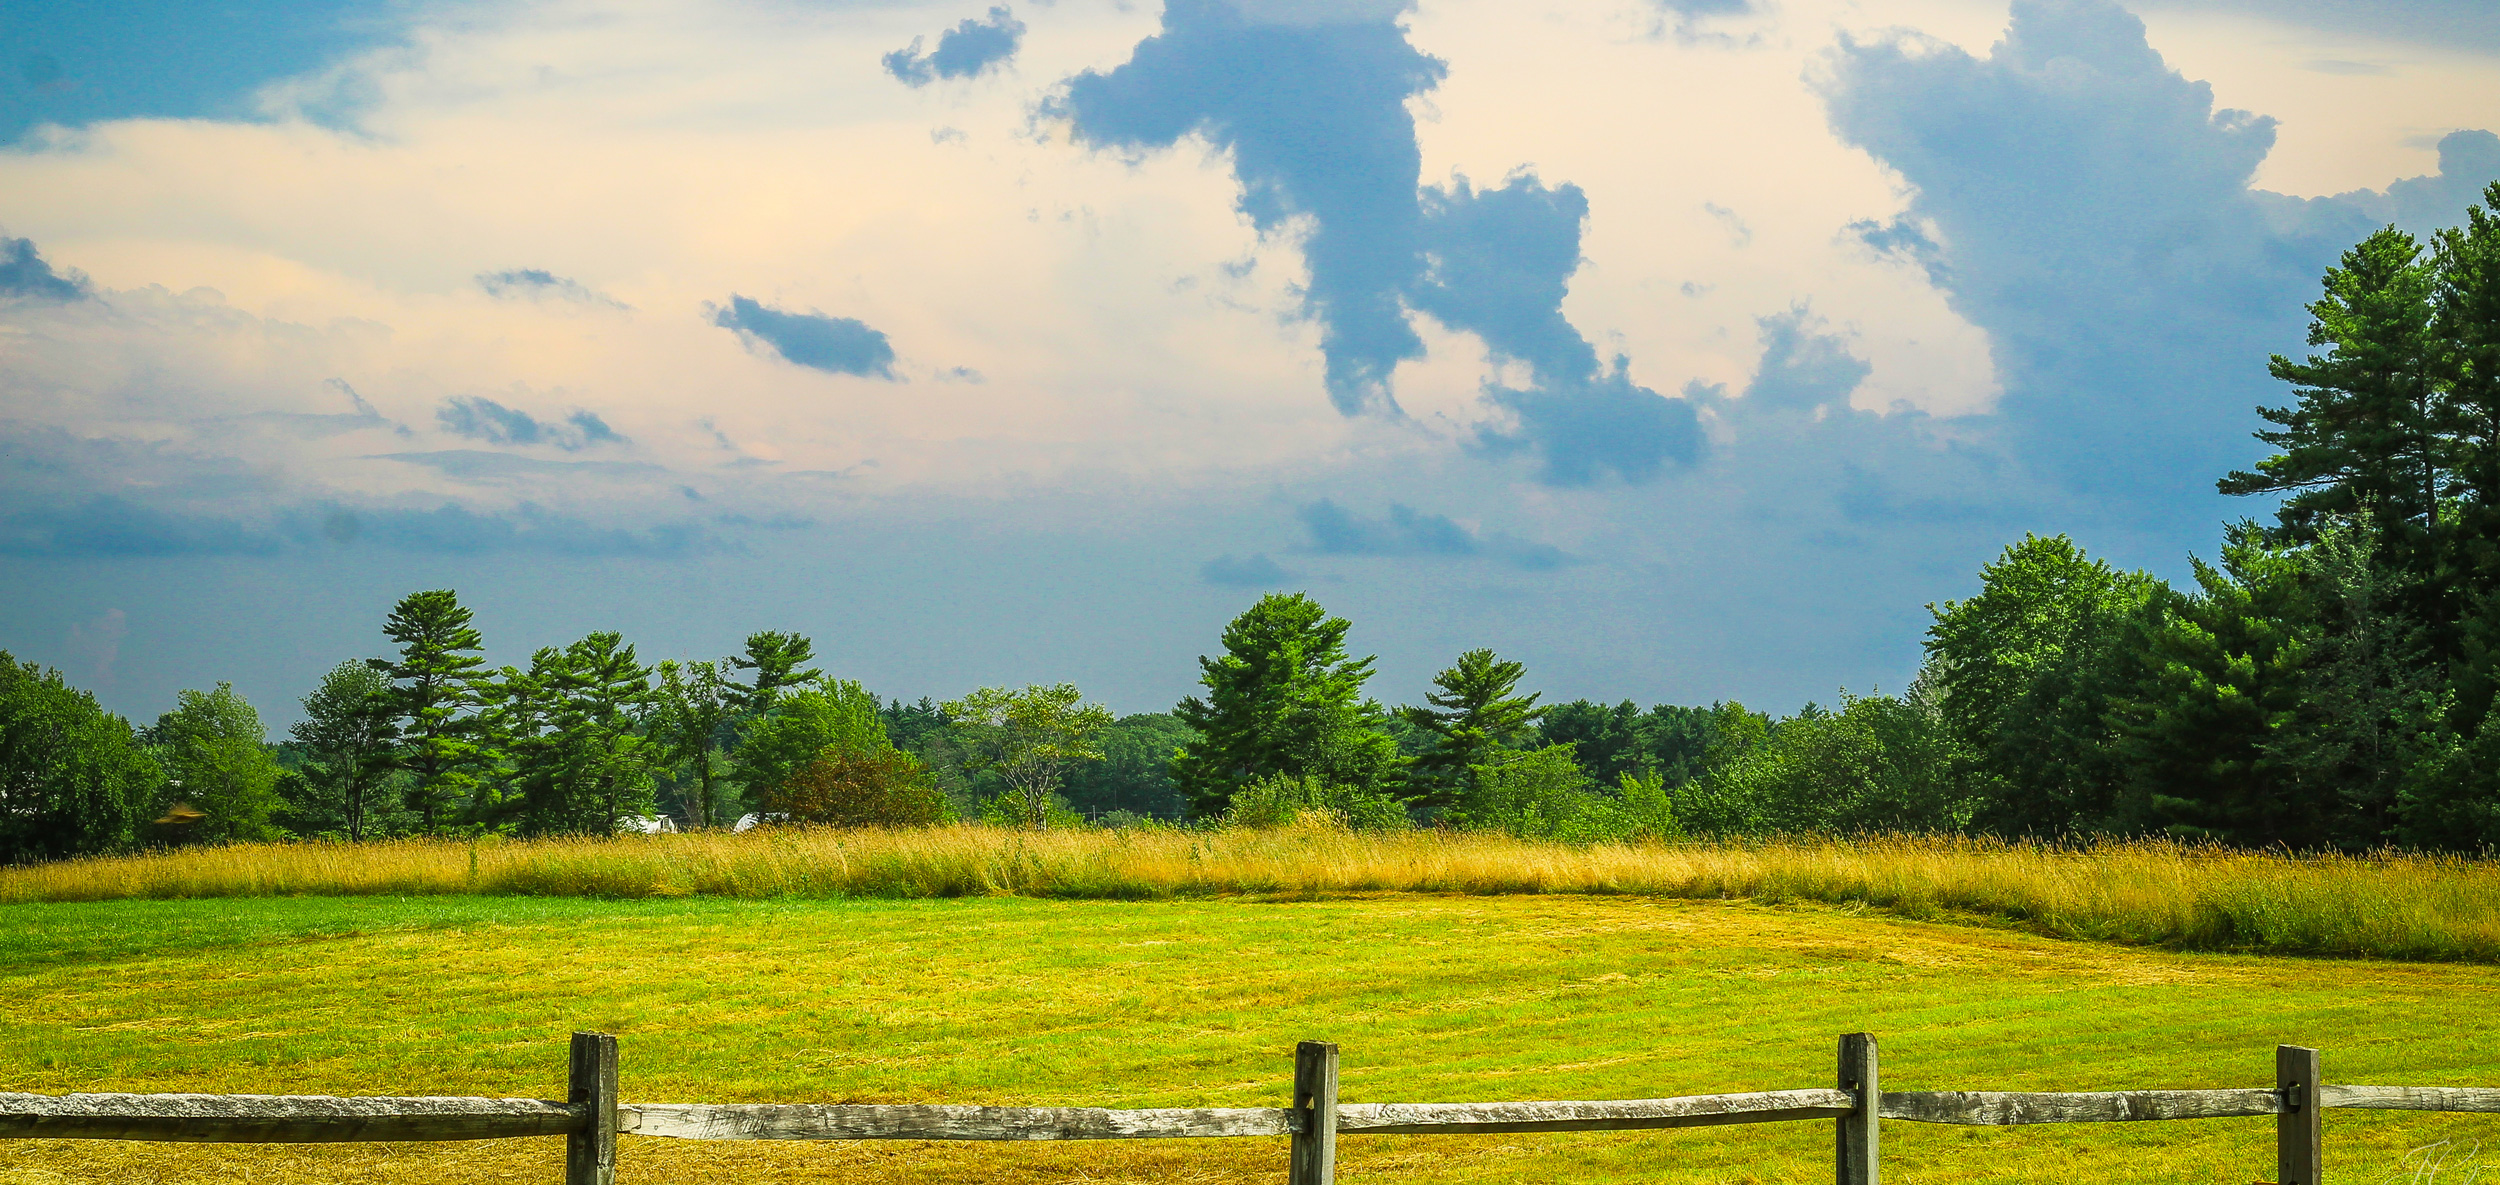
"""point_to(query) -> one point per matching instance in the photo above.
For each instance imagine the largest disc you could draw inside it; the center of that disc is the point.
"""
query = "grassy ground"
(2383, 906)
(1163, 1003)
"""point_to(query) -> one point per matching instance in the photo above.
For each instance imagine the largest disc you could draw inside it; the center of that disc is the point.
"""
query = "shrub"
(875, 788)
(1282, 800)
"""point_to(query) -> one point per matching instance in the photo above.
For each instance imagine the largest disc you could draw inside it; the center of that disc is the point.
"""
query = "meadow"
(2384, 906)
(1009, 999)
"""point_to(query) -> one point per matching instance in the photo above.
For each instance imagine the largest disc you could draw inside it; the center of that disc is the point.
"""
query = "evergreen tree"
(1474, 716)
(775, 659)
(433, 698)
(348, 733)
(1284, 698)
(2364, 437)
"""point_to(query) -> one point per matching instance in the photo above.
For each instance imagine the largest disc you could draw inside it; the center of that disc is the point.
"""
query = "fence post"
(590, 1152)
(1315, 1099)
(1855, 1142)
(2299, 1133)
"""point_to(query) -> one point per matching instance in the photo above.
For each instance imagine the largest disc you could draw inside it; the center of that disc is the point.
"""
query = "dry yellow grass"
(2384, 906)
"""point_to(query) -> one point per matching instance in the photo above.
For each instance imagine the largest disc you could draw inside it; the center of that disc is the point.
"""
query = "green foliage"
(432, 696)
(1284, 800)
(2024, 676)
(774, 660)
(1878, 764)
(74, 780)
(1284, 698)
(874, 788)
(1473, 716)
(582, 762)
(217, 762)
(825, 714)
(1135, 773)
(692, 712)
(1027, 739)
(348, 736)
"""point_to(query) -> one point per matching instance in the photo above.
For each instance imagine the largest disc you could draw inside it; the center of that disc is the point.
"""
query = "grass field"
(1197, 1002)
(2386, 906)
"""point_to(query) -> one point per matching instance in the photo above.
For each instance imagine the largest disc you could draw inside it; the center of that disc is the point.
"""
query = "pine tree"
(1472, 717)
(1283, 699)
(433, 697)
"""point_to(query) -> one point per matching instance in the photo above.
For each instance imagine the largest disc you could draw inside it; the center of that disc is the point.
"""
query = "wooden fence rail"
(590, 1117)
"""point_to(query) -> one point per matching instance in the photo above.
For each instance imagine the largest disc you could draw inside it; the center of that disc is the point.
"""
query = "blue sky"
(1683, 351)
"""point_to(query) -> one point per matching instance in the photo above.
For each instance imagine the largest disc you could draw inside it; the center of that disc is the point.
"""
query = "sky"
(1684, 350)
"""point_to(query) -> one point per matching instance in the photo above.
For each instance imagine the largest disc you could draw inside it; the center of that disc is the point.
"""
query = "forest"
(2325, 682)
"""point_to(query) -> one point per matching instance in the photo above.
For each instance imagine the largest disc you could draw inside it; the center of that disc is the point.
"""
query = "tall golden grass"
(2390, 906)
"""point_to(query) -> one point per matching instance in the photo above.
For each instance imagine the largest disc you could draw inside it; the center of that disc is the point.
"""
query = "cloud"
(96, 644)
(1497, 263)
(1251, 571)
(964, 51)
(538, 284)
(2447, 24)
(480, 418)
(1690, 19)
(835, 345)
(110, 525)
(24, 275)
(1313, 114)
(480, 464)
(1802, 366)
(2468, 161)
(2091, 211)
(1407, 532)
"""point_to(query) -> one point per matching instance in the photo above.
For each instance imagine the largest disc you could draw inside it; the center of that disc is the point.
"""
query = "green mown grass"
(1169, 1003)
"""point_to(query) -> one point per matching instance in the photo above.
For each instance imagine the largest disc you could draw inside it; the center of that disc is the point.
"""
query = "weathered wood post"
(590, 1151)
(1855, 1143)
(2299, 1134)
(1315, 1101)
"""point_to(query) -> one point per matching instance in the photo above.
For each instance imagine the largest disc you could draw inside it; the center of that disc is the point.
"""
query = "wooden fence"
(590, 1117)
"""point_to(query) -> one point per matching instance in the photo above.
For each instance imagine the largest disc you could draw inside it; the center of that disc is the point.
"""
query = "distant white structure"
(748, 822)
(648, 825)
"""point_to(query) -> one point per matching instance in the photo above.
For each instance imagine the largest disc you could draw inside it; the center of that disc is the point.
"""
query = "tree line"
(2328, 681)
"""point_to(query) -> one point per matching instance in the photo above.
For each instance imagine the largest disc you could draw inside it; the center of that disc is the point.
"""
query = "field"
(1009, 999)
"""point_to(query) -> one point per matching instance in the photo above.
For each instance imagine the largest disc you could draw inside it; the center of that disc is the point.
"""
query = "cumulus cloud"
(1407, 532)
(2092, 212)
(964, 51)
(1313, 113)
(480, 418)
(835, 345)
(26, 275)
(531, 283)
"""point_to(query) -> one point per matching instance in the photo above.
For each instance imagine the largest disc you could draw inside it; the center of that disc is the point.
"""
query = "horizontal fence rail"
(278, 1119)
(591, 1116)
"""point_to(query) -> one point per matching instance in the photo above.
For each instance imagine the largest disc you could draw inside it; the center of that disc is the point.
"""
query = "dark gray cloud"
(835, 345)
(107, 525)
(1250, 571)
(1803, 367)
(1313, 115)
(1408, 532)
(539, 284)
(25, 275)
(2091, 212)
(480, 418)
(964, 51)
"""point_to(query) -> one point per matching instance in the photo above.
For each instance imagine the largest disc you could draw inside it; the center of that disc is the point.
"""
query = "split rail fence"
(590, 1117)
